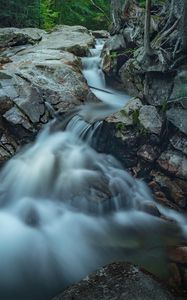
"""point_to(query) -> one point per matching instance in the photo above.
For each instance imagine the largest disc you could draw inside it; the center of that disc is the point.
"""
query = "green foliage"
(47, 13)
(120, 126)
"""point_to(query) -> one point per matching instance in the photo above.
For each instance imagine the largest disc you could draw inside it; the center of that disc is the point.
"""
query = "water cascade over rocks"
(66, 210)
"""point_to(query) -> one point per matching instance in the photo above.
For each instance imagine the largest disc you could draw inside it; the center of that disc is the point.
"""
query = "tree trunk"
(147, 42)
(116, 12)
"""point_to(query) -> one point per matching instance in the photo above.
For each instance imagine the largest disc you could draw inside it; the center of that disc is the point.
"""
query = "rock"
(16, 117)
(175, 279)
(150, 208)
(75, 39)
(41, 78)
(115, 43)
(179, 142)
(172, 187)
(178, 117)
(150, 119)
(100, 34)
(148, 153)
(158, 86)
(10, 37)
(126, 115)
(131, 78)
(5, 102)
(117, 281)
(174, 162)
(178, 255)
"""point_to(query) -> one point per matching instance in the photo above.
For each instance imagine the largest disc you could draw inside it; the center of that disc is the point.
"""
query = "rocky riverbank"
(149, 135)
(40, 74)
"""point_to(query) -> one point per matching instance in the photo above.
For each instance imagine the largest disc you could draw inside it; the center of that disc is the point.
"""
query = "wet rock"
(179, 142)
(39, 77)
(178, 255)
(171, 186)
(175, 279)
(178, 117)
(150, 208)
(174, 162)
(150, 119)
(100, 34)
(116, 282)
(127, 115)
(148, 153)
(16, 117)
(5, 102)
(4, 154)
(16, 36)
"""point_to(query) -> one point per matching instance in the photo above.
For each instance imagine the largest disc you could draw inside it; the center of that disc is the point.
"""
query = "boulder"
(117, 281)
(174, 163)
(176, 189)
(179, 142)
(150, 119)
(127, 114)
(40, 80)
(178, 117)
(75, 39)
(10, 37)
(100, 34)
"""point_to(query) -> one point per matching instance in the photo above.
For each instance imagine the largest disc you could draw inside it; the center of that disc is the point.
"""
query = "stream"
(67, 210)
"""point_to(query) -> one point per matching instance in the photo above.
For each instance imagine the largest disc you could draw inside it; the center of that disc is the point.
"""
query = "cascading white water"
(96, 80)
(66, 210)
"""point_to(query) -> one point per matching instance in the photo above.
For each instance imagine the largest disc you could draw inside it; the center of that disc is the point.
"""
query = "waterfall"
(66, 210)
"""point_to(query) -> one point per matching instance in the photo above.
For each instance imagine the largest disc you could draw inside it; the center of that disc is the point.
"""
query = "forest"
(47, 13)
(93, 149)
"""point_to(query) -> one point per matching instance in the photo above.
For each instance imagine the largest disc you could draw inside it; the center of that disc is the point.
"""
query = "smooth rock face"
(75, 39)
(178, 117)
(174, 162)
(150, 119)
(118, 281)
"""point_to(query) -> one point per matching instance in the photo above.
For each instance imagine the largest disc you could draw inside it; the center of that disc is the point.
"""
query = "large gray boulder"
(118, 281)
(40, 80)
(75, 39)
(16, 36)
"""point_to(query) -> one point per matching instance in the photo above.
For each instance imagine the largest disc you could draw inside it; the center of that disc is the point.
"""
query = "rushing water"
(66, 210)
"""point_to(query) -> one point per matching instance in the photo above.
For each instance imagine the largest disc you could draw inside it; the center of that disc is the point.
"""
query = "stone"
(179, 142)
(173, 188)
(178, 117)
(115, 43)
(150, 119)
(11, 36)
(125, 116)
(5, 102)
(100, 34)
(15, 117)
(173, 162)
(150, 208)
(178, 255)
(75, 39)
(117, 281)
(148, 153)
